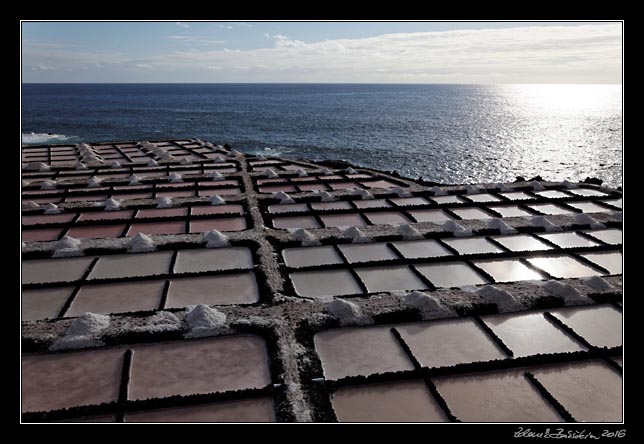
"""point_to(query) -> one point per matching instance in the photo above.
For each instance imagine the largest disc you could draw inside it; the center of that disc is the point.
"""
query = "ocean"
(444, 133)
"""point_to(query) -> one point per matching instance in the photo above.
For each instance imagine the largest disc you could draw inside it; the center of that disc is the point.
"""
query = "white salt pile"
(456, 228)
(438, 191)
(472, 189)
(175, 177)
(301, 173)
(83, 332)
(283, 198)
(81, 166)
(585, 219)
(184, 161)
(347, 312)
(135, 180)
(542, 221)
(325, 196)
(408, 232)
(569, 185)
(112, 204)
(565, 291)
(93, 182)
(364, 194)
(219, 158)
(67, 246)
(216, 239)
(597, 283)
(164, 202)
(270, 173)
(115, 164)
(356, 235)
(162, 321)
(48, 184)
(503, 300)
(400, 192)
(216, 175)
(140, 243)
(500, 225)
(326, 172)
(350, 171)
(216, 200)
(30, 204)
(152, 163)
(428, 305)
(260, 157)
(304, 236)
(536, 186)
(36, 166)
(618, 215)
(504, 188)
(51, 208)
(203, 320)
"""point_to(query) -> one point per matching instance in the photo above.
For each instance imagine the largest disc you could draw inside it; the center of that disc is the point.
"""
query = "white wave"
(39, 138)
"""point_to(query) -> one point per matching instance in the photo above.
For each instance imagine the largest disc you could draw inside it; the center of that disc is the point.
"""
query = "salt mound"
(350, 171)
(304, 236)
(619, 215)
(30, 204)
(569, 185)
(36, 166)
(326, 172)
(48, 184)
(216, 175)
(216, 239)
(325, 196)
(88, 324)
(51, 208)
(428, 305)
(162, 321)
(152, 163)
(93, 182)
(597, 283)
(270, 173)
(536, 186)
(472, 189)
(364, 194)
(504, 188)
(400, 192)
(500, 225)
(301, 173)
(115, 164)
(216, 200)
(140, 243)
(260, 157)
(175, 177)
(503, 300)
(81, 166)
(542, 221)
(184, 161)
(438, 191)
(565, 291)
(67, 246)
(218, 159)
(283, 198)
(344, 310)
(164, 202)
(112, 204)
(167, 156)
(135, 180)
(203, 320)
(356, 235)
(456, 228)
(408, 232)
(585, 219)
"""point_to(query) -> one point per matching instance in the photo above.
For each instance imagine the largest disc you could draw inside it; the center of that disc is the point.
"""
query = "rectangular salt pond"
(568, 240)
(563, 267)
(550, 209)
(371, 203)
(171, 227)
(54, 270)
(96, 231)
(517, 195)
(473, 245)
(44, 303)
(437, 216)
(387, 218)
(611, 261)
(367, 252)
(471, 213)
(117, 298)
(211, 259)
(409, 201)
(447, 199)
(390, 278)
(505, 396)
(455, 274)
(507, 270)
(589, 207)
(343, 220)
(402, 401)
(131, 265)
(600, 325)
(310, 256)
(213, 290)
(296, 222)
(421, 248)
(242, 410)
(325, 283)
(587, 192)
(590, 391)
(198, 366)
(611, 236)
(450, 342)
(552, 194)
(530, 333)
(41, 234)
(360, 351)
(510, 211)
(521, 242)
(340, 205)
(483, 197)
(219, 224)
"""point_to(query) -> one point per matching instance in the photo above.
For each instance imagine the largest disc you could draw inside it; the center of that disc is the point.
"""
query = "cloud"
(584, 53)
(45, 67)
(98, 65)
(182, 25)
(214, 68)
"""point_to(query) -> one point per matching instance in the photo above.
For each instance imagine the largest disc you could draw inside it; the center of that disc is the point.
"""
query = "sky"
(321, 52)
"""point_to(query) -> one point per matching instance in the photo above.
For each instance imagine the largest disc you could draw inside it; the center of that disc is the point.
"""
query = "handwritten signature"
(561, 433)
